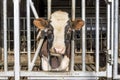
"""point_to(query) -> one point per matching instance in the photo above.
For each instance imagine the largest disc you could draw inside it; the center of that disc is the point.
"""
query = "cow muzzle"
(57, 50)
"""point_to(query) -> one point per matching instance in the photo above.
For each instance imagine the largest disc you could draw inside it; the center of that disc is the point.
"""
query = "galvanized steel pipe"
(49, 8)
(97, 35)
(83, 36)
(16, 40)
(5, 34)
(116, 44)
(28, 34)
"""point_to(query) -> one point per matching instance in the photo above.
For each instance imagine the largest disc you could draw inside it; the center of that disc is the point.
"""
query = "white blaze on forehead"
(59, 16)
(59, 21)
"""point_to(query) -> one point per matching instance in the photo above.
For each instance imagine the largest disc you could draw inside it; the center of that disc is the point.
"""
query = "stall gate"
(80, 71)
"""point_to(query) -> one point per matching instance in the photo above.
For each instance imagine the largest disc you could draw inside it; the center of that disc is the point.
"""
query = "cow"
(55, 52)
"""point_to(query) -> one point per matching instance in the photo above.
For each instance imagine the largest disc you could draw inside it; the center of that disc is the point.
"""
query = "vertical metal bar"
(97, 35)
(72, 52)
(73, 42)
(33, 9)
(16, 40)
(73, 9)
(112, 31)
(108, 25)
(115, 68)
(109, 66)
(49, 8)
(83, 37)
(5, 34)
(28, 34)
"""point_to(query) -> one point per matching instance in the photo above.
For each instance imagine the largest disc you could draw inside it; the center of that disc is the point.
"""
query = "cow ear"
(40, 23)
(78, 24)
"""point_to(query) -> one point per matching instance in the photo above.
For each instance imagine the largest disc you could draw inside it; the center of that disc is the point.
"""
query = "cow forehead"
(59, 16)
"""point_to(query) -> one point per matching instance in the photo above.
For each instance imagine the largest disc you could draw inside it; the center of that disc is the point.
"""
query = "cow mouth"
(55, 61)
(55, 58)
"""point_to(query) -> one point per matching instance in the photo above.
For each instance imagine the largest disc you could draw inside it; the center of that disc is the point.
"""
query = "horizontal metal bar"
(62, 78)
(116, 77)
(7, 74)
(64, 74)
(55, 74)
(3, 78)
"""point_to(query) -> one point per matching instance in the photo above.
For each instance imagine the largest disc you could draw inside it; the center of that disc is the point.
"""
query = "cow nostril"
(59, 50)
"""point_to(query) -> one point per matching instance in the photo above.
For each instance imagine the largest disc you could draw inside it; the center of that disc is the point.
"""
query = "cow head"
(59, 29)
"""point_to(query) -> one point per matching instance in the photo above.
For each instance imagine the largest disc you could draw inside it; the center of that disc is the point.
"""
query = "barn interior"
(65, 5)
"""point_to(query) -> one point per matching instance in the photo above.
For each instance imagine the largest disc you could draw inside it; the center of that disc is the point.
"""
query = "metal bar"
(115, 68)
(48, 17)
(116, 77)
(112, 30)
(73, 9)
(97, 35)
(108, 25)
(109, 66)
(28, 34)
(33, 9)
(64, 74)
(73, 42)
(8, 39)
(3, 78)
(8, 74)
(83, 37)
(49, 8)
(72, 52)
(5, 34)
(57, 74)
(16, 40)
(64, 78)
(36, 53)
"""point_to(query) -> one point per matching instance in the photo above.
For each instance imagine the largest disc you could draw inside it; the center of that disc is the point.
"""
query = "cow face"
(59, 20)
(59, 29)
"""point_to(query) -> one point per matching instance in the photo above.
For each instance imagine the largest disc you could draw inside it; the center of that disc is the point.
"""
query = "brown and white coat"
(56, 50)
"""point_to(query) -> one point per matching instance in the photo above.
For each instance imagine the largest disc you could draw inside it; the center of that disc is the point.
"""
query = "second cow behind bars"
(56, 50)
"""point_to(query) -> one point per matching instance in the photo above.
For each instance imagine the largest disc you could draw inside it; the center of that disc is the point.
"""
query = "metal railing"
(100, 36)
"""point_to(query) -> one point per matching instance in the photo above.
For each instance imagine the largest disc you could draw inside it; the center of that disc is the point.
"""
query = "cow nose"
(59, 50)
